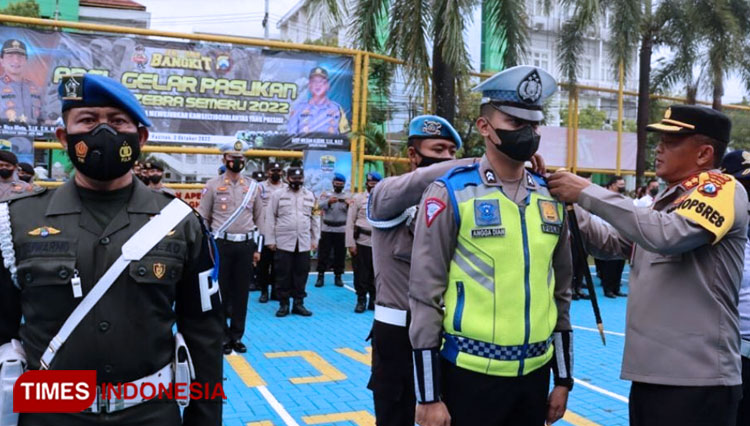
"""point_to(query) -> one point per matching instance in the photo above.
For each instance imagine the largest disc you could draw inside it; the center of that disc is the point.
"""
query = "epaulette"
(461, 176)
(37, 190)
(540, 180)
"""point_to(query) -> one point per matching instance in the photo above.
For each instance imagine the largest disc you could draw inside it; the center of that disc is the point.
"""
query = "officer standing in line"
(391, 211)
(737, 164)
(9, 185)
(79, 230)
(155, 174)
(319, 113)
(233, 208)
(358, 231)
(25, 172)
(21, 98)
(610, 270)
(682, 335)
(491, 245)
(293, 230)
(259, 176)
(266, 274)
(334, 206)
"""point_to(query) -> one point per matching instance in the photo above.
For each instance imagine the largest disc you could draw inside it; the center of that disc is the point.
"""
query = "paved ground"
(305, 371)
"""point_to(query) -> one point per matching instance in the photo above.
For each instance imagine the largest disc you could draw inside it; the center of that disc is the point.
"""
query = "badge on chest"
(487, 219)
(551, 219)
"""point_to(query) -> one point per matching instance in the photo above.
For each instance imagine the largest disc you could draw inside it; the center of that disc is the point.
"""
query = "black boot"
(299, 309)
(283, 309)
(263, 296)
(338, 281)
(371, 305)
(360, 305)
(319, 283)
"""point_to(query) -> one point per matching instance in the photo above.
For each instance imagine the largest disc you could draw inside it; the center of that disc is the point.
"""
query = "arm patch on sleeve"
(711, 204)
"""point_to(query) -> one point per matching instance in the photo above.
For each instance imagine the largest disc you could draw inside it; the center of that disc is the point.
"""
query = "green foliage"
(740, 137)
(588, 118)
(27, 8)
(331, 41)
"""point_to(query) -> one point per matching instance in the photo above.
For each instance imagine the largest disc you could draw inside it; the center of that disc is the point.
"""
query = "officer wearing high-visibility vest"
(358, 241)
(491, 245)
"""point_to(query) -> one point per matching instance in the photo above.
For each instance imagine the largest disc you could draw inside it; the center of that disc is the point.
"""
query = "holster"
(12, 365)
(184, 372)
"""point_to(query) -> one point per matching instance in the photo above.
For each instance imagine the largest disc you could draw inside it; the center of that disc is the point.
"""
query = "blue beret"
(737, 164)
(519, 91)
(339, 177)
(433, 126)
(236, 147)
(85, 90)
(374, 176)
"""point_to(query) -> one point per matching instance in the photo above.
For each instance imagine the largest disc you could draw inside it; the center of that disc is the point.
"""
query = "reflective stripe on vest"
(499, 303)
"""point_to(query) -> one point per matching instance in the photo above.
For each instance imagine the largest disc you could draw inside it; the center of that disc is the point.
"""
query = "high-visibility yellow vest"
(500, 309)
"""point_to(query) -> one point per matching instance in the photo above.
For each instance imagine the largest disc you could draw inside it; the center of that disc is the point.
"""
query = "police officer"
(78, 232)
(233, 208)
(491, 244)
(25, 172)
(9, 185)
(737, 164)
(155, 174)
(319, 113)
(391, 213)
(266, 275)
(682, 346)
(293, 230)
(334, 206)
(259, 176)
(21, 98)
(610, 270)
(358, 231)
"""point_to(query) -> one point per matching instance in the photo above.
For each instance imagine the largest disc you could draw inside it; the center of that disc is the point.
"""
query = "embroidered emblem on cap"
(238, 146)
(432, 208)
(81, 150)
(530, 88)
(432, 127)
(159, 270)
(73, 88)
(43, 231)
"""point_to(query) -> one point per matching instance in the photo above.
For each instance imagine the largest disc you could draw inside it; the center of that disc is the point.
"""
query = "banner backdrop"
(320, 166)
(193, 92)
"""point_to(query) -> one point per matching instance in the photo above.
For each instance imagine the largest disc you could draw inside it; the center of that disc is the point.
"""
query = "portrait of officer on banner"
(318, 114)
(20, 98)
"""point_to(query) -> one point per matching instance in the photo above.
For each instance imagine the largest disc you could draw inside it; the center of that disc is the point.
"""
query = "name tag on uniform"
(487, 213)
(551, 220)
(488, 232)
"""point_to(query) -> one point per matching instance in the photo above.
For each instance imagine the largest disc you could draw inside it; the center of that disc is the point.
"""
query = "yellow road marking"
(328, 373)
(359, 418)
(363, 357)
(249, 376)
(577, 420)
(261, 423)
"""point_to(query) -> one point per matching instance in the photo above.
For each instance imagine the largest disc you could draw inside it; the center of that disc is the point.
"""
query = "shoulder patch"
(432, 208)
(711, 204)
(539, 179)
(36, 190)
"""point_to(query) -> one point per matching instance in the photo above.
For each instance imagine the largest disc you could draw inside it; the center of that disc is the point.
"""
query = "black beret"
(8, 157)
(26, 167)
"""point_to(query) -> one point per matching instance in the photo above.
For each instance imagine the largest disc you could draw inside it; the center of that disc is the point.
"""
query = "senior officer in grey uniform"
(333, 208)
(266, 272)
(485, 333)
(358, 231)
(391, 210)
(319, 113)
(293, 230)
(20, 98)
(682, 340)
(232, 206)
(65, 239)
(9, 185)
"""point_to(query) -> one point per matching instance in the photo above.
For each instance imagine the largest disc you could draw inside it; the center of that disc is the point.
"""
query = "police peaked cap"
(737, 164)
(519, 91)
(295, 171)
(433, 127)
(157, 165)
(8, 157)
(258, 174)
(93, 90)
(374, 176)
(14, 46)
(319, 71)
(237, 147)
(274, 165)
(339, 177)
(694, 119)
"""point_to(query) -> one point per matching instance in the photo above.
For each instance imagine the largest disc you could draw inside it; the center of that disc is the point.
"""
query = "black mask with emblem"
(6, 173)
(235, 165)
(520, 144)
(103, 153)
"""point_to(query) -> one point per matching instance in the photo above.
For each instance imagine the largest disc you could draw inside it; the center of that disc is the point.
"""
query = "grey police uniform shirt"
(744, 304)
(13, 189)
(682, 324)
(333, 215)
(222, 197)
(292, 220)
(327, 117)
(267, 188)
(356, 217)
(20, 101)
(391, 248)
(434, 247)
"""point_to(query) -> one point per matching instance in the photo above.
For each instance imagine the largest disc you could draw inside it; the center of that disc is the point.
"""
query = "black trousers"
(292, 268)
(266, 272)
(659, 405)
(332, 242)
(578, 272)
(364, 274)
(610, 273)
(235, 271)
(152, 413)
(479, 399)
(743, 414)
(392, 376)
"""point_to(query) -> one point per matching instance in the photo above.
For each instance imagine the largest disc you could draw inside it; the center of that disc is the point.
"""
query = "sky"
(244, 18)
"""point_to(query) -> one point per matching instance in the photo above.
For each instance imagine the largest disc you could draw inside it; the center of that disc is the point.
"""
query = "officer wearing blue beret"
(489, 287)
(358, 232)
(332, 251)
(78, 232)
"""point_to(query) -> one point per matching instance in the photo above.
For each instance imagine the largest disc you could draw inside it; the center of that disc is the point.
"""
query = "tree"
(28, 8)
(588, 118)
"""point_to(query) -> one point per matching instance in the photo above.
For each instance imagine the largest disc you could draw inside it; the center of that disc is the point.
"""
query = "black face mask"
(155, 178)
(428, 161)
(338, 189)
(520, 144)
(653, 191)
(621, 189)
(235, 165)
(103, 153)
(6, 173)
(275, 177)
(26, 179)
(295, 185)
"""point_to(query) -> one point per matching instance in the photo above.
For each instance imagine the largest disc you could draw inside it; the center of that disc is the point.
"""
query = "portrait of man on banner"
(318, 114)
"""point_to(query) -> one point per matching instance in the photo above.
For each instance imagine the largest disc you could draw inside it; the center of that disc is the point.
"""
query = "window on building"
(540, 59)
(535, 7)
(586, 68)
